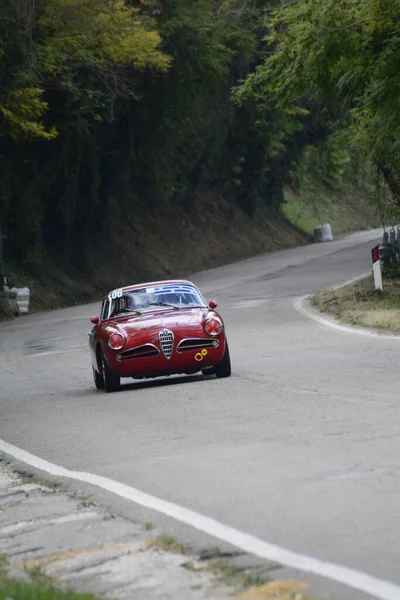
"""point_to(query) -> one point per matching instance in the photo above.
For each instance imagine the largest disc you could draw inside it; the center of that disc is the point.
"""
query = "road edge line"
(379, 588)
(303, 307)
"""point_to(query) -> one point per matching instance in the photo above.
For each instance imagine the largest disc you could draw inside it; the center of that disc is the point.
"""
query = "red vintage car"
(156, 329)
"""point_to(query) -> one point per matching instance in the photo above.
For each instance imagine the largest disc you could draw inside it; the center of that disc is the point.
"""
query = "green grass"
(361, 305)
(227, 572)
(214, 562)
(347, 209)
(167, 543)
(41, 588)
(303, 215)
(234, 577)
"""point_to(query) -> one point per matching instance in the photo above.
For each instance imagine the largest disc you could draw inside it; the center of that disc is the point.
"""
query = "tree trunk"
(392, 180)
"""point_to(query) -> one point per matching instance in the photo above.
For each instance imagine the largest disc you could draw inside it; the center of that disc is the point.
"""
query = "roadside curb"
(303, 306)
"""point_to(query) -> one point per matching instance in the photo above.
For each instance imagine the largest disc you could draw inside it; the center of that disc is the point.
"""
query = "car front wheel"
(112, 382)
(98, 380)
(224, 367)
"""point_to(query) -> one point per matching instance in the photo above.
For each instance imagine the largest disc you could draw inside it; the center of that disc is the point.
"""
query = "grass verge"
(361, 305)
(347, 209)
(40, 588)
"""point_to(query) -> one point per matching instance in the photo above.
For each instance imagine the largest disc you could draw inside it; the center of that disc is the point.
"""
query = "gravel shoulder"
(51, 538)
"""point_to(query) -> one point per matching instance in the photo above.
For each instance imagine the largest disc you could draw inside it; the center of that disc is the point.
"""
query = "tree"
(114, 109)
(338, 60)
(82, 48)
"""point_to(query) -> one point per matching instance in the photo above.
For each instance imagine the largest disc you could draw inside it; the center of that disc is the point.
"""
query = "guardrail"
(386, 253)
(389, 249)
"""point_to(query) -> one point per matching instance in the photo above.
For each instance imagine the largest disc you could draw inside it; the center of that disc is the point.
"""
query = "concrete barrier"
(323, 233)
(22, 299)
(15, 302)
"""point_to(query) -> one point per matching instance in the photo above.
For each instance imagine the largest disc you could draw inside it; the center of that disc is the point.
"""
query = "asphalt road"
(300, 447)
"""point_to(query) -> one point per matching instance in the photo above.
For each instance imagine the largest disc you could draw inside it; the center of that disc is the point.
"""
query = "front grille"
(140, 352)
(166, 338)
(196, 344)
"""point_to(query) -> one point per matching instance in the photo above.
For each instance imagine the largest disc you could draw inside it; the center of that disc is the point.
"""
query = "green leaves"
(340, 60)
(82, 47)
(94, 33)
(22, 110)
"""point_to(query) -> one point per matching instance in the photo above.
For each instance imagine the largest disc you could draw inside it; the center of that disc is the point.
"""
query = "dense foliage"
(338, 60)
(128, 104)
(113, 103)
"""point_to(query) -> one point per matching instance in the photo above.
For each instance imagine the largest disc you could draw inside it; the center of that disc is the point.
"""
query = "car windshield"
(149, 298)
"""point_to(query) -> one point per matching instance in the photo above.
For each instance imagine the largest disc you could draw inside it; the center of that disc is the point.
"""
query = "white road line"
(300, 306)
(385, 590)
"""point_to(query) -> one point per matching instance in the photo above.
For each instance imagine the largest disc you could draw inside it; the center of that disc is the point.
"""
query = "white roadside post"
(376, 268)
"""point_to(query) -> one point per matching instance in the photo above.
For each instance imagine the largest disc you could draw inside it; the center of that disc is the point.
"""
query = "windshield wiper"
(125, 310)
(162, 304)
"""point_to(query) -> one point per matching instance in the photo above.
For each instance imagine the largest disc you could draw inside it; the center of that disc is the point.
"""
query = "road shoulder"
(69, 540)
(353, 307)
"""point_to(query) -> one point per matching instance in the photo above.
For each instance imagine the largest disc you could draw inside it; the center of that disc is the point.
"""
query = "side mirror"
(212, 304)
(95, 320)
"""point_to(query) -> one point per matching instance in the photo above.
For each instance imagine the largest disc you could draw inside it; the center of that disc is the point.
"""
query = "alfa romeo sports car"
(157, 329)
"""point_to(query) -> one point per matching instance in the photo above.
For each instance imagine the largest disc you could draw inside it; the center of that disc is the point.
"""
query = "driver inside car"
(173, 299)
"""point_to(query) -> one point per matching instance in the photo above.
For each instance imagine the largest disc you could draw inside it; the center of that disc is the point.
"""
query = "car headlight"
(116, 341)
(213, 326)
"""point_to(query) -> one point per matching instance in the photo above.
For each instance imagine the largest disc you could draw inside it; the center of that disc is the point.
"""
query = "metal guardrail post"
(392, 243)
(384, 250)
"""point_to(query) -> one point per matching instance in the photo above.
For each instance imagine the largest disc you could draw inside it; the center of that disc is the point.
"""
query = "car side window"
(104, 309)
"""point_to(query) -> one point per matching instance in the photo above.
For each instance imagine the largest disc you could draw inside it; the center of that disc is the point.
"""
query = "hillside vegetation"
(154, 137)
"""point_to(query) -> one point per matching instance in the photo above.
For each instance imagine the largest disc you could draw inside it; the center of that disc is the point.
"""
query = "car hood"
(157, 319)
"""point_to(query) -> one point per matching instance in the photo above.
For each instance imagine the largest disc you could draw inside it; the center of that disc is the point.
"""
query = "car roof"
(127, 288)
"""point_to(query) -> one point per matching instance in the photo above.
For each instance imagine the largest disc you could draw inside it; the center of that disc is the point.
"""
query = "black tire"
(98, 380)
(224, 367)
(208, 371)
(112, 382)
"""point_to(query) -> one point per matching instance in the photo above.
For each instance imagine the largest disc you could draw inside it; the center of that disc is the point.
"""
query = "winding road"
(299, 449)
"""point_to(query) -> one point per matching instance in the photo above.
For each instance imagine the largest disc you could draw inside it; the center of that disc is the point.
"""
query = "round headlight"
(213, 326)
(116, 341)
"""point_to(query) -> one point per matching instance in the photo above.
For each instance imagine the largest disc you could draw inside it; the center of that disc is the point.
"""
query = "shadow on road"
(134, 385)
